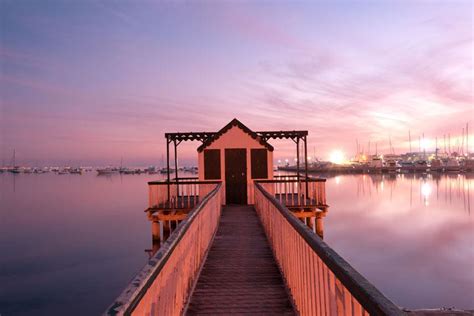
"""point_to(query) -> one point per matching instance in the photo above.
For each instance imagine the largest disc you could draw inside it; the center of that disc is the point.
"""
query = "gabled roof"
(237, 123)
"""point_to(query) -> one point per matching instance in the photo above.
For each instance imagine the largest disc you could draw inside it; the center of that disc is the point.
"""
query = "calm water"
(70, 243)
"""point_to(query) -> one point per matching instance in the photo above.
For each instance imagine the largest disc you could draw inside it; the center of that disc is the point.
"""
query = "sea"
(70, 243)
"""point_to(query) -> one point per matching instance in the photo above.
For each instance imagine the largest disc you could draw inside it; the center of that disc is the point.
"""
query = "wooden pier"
(240, 274)
(265, 256)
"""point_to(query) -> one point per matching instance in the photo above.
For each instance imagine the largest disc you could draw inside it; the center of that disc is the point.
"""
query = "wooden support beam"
(306, 166)
(168, 166)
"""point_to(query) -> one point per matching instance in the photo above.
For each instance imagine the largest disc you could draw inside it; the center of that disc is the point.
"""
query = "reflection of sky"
(92, 81)
(412, 237)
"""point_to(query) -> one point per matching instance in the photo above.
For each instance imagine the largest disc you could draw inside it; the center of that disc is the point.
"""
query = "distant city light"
(424, 143)
(426, 189)
(337, 156)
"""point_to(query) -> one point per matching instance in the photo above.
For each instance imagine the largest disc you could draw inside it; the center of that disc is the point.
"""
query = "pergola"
(177, 138)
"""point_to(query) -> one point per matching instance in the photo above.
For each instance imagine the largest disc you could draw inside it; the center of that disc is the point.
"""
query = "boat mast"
(449, 143)
(444, 143)
(467, 139)
(409, 139)
(424, 147)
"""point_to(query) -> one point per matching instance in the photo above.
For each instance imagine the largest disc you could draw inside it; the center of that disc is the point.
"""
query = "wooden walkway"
(240, 275)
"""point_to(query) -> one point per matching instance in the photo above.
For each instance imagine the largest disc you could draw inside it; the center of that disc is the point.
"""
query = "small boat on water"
(452, 165)
(151, 170)
(125, 170)
(375, 164)
(107, 171)
(436, 165)
(165, 171)
(468, 165)
(390, 166)
(421, 165)
(15, 169)
(63, 171)
(75, 171)
(407, 166)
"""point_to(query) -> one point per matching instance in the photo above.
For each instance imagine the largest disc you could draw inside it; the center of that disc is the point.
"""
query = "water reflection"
(452, 188)
(412, 235)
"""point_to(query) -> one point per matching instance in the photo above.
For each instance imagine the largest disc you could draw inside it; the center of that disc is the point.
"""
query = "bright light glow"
(426, 189)
(424, 143)
(337, 156)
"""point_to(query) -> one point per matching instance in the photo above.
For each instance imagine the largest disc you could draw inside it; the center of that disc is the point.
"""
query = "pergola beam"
(177, 138)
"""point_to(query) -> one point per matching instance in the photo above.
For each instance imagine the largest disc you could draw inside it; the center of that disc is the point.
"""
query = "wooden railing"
(320, 281)
(291, 192)
(184, 193)
(164, 284)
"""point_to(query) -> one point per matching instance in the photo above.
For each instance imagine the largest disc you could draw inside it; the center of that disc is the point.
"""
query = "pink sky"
(91, 82)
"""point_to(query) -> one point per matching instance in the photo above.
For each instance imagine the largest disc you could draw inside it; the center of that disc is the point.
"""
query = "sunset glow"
(91, 82)
(337, 156)
(264, 149)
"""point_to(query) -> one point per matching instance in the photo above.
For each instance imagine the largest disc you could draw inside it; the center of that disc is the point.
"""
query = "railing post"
(176, 167)
(306, 166)
(168, 166)
(298, 160)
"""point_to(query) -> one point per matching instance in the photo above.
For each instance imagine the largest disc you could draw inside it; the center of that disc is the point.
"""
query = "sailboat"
(14, 168)
(436, 164)
(452, 165)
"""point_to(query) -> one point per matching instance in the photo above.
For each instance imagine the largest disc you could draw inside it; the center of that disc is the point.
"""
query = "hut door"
(236, 176)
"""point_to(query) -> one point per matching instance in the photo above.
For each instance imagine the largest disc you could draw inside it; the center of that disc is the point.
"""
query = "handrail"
(370, 298)
(292, 180)
(174, 182)
(135, 292)
(294, 193)
(185, 178)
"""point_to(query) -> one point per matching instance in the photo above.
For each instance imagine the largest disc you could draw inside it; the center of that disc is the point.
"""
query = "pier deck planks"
(240, 274)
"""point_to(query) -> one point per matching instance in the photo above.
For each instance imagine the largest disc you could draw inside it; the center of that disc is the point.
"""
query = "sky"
(91, 82)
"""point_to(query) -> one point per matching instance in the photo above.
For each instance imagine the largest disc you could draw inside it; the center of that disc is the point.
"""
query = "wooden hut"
(237, 156)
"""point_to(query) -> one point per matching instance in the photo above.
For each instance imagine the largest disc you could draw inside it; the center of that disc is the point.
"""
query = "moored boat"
(436, 165)
(452, 165)
(106, 171)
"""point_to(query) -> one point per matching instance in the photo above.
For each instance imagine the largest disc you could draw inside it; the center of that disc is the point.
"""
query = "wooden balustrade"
(164, 285)
(291, 192)
(184, 193)
(320, 281)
